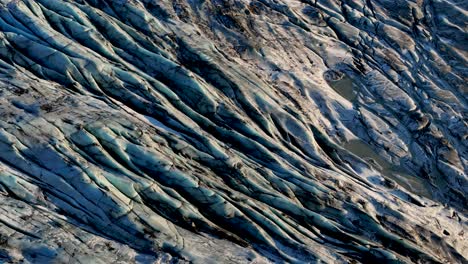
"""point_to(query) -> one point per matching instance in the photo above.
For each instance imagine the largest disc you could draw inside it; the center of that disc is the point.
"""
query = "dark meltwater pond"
(344, 87)
(412, 183)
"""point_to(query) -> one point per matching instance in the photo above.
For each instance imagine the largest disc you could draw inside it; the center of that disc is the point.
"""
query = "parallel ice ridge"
(233, 131)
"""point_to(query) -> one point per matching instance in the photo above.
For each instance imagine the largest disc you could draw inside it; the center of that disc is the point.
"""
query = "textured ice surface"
(233, 131)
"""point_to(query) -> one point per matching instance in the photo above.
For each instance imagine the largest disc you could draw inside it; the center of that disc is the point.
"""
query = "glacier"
(233, 131)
